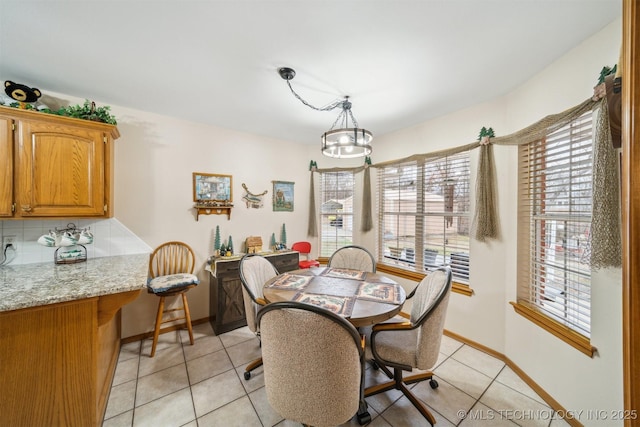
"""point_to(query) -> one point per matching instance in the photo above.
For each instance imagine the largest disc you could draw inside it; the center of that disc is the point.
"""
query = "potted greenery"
(88, 111)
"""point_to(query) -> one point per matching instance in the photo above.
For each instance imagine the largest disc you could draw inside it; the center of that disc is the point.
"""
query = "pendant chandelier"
(345, 140)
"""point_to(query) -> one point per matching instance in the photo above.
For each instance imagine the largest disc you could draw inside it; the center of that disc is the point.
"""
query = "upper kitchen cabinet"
(6, 167)
(62, 167)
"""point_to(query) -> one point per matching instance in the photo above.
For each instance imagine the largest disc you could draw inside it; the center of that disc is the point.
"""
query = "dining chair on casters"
(353, 257)
(305, 249)
(171, 274)
(255, 270)
(313, 363)
(413, 344)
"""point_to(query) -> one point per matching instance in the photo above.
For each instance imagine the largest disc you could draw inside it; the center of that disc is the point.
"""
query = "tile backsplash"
(110, 238)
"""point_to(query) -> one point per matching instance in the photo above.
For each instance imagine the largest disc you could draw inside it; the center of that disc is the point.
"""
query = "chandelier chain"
(342, 140)
(353, 119)
(332, 106)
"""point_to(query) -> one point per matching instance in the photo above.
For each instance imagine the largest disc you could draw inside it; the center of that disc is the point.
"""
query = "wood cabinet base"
(58, 361)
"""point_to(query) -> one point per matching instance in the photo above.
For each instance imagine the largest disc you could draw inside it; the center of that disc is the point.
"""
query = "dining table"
(363, 298)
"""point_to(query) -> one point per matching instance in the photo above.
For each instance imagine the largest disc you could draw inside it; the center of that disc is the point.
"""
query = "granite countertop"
(32, 285)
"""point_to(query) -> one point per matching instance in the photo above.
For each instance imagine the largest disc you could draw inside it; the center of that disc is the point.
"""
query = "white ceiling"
(401, 62)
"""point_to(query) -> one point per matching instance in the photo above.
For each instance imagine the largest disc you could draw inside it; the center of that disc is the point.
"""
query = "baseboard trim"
(554, 404)
(149, 334)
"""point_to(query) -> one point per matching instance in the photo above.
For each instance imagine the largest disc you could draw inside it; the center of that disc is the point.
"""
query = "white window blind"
(424, 215)
(554, 223)
(336, 211)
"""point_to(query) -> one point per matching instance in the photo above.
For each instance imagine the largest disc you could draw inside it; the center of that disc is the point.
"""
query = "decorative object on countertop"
(272, 243)
(71, 239)
(70, 254)
(230, 247)
(282, 196)
(223, 249)
(253, 244)
(253, 200)
(213, 194)
(216, 242)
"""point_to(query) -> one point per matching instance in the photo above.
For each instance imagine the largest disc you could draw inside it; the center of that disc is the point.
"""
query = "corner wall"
(576, 381)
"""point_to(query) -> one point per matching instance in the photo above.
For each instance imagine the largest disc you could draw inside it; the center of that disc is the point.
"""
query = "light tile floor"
(203, 385)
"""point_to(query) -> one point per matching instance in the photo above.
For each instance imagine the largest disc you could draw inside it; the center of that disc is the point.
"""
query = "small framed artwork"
(282, 196)
(212, 187)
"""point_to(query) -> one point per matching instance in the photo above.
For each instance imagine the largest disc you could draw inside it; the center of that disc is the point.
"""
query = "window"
(424, 215)
(554, 225)
(336, 211)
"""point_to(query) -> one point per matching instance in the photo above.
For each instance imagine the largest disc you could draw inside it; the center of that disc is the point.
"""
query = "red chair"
(305, 248)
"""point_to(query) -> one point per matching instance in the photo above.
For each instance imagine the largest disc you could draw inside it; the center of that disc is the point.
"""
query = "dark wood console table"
(226, 305)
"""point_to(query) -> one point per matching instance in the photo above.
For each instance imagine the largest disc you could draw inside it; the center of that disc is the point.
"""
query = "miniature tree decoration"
(230, 246)
(273, 240)
(283, 236)
(216, 241)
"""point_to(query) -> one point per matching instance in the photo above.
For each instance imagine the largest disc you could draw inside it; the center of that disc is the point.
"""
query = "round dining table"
(364, 298)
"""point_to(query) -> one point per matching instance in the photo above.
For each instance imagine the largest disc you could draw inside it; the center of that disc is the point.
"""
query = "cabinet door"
(6, 167)
(60, 170)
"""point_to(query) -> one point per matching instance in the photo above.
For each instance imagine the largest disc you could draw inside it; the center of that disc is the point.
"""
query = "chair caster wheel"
(247, 375)
(364, 418)
(433, 383)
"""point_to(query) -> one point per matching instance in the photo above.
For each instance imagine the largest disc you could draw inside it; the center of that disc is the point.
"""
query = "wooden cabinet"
(58, 361)
(6, 167)
(62, 167)
(226, 305)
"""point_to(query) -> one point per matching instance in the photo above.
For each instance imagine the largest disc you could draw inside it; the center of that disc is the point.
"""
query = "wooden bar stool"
(170, 274)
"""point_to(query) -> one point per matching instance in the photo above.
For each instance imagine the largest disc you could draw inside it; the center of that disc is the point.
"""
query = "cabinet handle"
(26, 208)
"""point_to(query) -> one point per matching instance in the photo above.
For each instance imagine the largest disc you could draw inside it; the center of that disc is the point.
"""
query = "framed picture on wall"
(282, 196)
(212, 187)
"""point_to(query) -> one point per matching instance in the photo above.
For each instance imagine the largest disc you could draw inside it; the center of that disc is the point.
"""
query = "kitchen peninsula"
(60, 335)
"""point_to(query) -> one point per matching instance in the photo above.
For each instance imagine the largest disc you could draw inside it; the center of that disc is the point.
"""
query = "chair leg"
(250, 367)
(156, 332)
(187, 316)
(418, 404)
(398, 383)
(417, 378)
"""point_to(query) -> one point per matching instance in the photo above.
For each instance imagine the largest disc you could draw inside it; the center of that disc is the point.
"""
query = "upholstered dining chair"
(416, 343)
(313, 363)
(305, 249)
(171, 274)
(353, 257)
(255, 270)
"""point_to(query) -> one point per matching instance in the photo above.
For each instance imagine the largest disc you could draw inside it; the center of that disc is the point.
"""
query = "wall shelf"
(213, 210)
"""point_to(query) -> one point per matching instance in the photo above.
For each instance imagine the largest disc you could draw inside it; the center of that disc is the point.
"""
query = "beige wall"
(575, 380)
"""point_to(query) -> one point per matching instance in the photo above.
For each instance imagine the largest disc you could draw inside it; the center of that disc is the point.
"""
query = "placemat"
(381, 292)
(339, 305)
(344, 273)
(290, 281)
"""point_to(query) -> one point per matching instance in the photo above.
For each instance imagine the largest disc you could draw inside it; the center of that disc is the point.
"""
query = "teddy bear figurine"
(21, 93)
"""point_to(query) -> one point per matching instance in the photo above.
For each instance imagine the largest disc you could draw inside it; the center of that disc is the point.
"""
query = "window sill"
(457, 288)
(567, 335)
